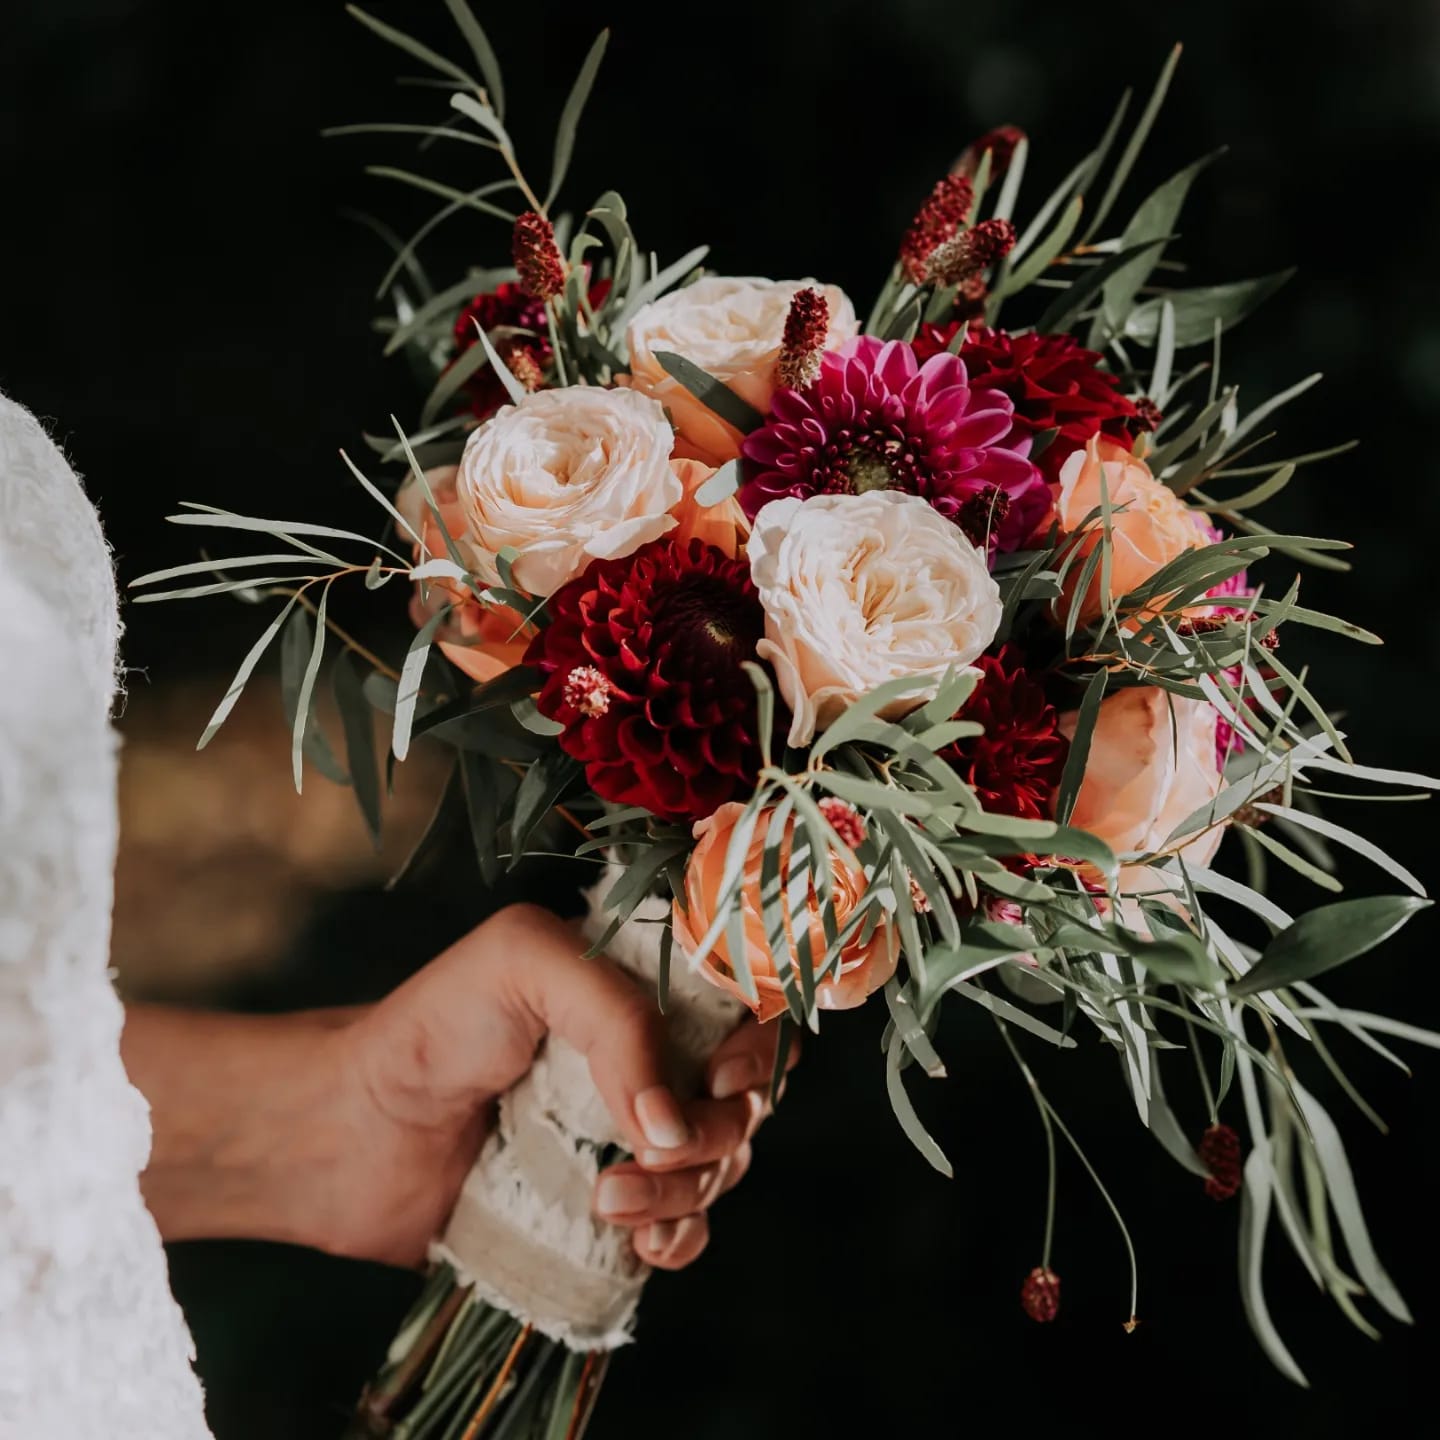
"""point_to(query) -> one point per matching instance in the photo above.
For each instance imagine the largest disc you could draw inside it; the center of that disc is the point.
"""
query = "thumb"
(526, 969)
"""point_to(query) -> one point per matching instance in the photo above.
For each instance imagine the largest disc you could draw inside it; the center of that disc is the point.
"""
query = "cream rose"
(565, 477)
(1152, 762)
(861, 589)
(731, 328)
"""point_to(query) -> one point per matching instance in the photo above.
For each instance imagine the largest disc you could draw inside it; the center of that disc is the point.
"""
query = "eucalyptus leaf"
(570, 115)
(358, 726)
(1327, 937)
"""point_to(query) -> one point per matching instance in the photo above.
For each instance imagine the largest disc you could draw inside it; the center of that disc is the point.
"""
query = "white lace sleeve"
(91, 1341)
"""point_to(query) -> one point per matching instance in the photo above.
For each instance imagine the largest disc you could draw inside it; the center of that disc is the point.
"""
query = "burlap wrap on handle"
(523, 1230)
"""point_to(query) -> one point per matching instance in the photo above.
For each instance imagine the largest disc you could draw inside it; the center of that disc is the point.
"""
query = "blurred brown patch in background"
(221, 863)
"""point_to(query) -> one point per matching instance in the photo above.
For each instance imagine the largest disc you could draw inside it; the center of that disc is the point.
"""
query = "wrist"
(248, 1114)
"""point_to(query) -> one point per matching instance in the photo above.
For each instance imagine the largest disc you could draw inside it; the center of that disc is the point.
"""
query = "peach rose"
(483, 641)
(731, 328)
(863, 967)
(1155, 527)
(724, 525)
(1151, 763)
(861, 589)
(566, 477)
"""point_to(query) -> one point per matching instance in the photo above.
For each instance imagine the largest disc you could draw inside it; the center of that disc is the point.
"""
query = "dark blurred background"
(186, 302)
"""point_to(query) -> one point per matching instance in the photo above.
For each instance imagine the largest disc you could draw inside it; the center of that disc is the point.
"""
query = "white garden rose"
(566, 477)
(862, 589)
(731, 328)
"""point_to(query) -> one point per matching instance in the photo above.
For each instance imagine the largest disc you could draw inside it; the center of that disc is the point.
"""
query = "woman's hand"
(353, 1130)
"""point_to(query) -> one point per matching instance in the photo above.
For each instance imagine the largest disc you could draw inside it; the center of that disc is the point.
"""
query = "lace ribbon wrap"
(523, 1230)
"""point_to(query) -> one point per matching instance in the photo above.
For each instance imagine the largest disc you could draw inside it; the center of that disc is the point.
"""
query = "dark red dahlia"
(523, 342)
(520, 333)
(876, 419)
(1015, 765)
(642, 663)
(1053, 381)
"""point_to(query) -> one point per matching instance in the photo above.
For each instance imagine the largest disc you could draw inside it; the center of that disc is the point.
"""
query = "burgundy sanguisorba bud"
(1040, 1295)
(1219, 1152)
(970, 252)
(807, 323)
(1000, 142)
(538, 263)
(943, 213)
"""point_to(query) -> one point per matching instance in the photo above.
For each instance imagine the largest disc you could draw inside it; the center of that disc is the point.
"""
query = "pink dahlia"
(877, 419)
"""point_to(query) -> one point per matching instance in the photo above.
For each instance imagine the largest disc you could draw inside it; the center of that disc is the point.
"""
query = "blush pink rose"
(482, 641)
(1154, 527)
(864, 966)
(1151, 764)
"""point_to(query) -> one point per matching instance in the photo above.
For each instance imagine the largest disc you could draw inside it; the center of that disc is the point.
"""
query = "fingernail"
(660, 1119)
(623, 1194)
(731, 1078)
(661, 1236)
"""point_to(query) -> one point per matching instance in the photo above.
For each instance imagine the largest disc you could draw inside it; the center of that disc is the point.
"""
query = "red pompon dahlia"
(1040, 1295)
(1219, 1152)
(937, 220)
(642, 661)
(1053, 381)
(1000, 142)
(876, 419)
(537, 258)
(1015, 766)
(844, 819)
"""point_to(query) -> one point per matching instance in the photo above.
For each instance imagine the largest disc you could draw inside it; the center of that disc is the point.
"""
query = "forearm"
(246, 1129)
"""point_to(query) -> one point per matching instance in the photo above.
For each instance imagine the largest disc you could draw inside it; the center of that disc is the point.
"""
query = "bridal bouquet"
(927, 659)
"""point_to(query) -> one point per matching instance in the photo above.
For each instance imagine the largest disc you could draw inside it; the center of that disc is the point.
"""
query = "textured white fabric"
(523, 1230)
(91, 1341)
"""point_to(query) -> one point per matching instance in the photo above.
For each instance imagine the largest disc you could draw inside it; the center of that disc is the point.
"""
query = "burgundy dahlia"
(1015, 765)
(642, 663)
(1053, 381)
(523, 343)
(876, 419)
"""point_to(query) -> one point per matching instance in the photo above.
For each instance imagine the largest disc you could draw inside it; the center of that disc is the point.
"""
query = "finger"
(672, 1244)
(627, 1195)
(603, 1015)
(717, 1129)
(747, 1058)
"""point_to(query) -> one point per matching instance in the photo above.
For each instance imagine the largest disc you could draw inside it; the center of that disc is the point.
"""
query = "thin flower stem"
(1114, 1210)
(1200, 1070)
(492, 1396)
(1050, 1185)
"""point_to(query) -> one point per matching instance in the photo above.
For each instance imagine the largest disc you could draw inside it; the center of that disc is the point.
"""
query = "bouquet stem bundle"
(462, 1369)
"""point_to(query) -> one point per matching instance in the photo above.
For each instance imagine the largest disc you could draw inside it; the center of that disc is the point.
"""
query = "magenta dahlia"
(877, 419)
(642, 662)
(1015, 765)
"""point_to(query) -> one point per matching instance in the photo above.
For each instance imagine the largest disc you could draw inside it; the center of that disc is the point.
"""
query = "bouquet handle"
(523, 1231)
